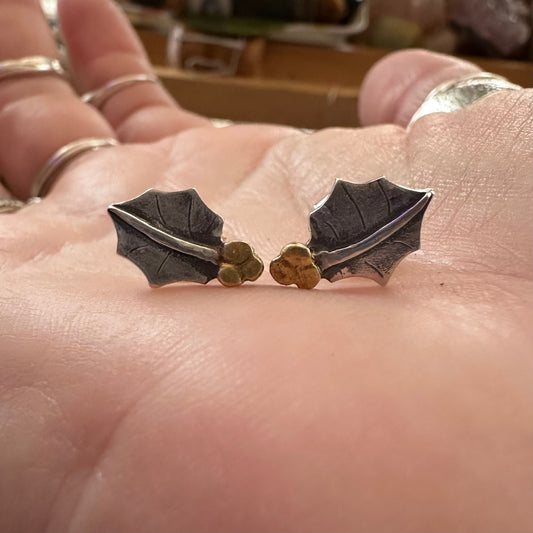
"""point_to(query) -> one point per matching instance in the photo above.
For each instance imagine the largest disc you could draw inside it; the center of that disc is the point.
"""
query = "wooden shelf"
(259, 100)
(303, 86)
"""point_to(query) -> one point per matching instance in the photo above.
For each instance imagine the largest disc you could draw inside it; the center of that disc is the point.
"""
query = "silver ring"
(29, 66)
(10, 205)
(46, 177)
(98, 97)
(453, 95)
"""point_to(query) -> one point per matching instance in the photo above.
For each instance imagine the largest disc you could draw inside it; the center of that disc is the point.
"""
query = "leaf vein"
(212, 223)
(159, 210)
(358, 209)
(405, 244)
(389, 206)
(374, 267)
(137, 248)
(332, 228)
(189, 215)
(163, 263)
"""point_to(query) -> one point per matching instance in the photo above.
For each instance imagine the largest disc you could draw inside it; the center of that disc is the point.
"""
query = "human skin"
(350, 407)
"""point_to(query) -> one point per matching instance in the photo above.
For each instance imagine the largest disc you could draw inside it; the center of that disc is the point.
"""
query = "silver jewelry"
(98, 97)
(458, 94)
(174, 237)
(360, 230)
(46, 177)
(28, 66)
(10, 205)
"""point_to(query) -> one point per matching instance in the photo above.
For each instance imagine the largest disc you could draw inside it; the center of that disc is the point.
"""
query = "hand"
(350, 407)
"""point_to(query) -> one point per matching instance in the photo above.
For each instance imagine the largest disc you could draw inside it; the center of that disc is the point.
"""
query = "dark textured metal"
(366, 229)
(169, 236)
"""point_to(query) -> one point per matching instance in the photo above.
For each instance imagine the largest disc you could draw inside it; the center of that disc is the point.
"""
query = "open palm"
(260, 408)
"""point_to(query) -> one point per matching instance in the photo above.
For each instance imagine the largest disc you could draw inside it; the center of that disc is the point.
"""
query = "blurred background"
(301, 62)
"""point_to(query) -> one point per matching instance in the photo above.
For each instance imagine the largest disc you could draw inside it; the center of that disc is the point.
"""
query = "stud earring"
(174, 237)
(358, 230)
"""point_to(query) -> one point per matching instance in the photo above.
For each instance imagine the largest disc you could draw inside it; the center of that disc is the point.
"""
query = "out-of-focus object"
(495, 27)
(395, 33)
(321, 11)
(168, 4)
(204, 53)
(426, 14)
(443, 40)
(396, 24)
(321, 22)
(149, 17)
(303, 86)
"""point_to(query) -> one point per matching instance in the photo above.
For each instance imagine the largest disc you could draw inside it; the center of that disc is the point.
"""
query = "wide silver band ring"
(457, 94)
(48, 173)
(30, 66)
(98, 97)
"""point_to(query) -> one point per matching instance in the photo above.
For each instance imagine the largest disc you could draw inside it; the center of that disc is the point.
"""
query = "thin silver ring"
(31, 65)
(10, 205)
(98, 97)
(48, 173)
(453, 95)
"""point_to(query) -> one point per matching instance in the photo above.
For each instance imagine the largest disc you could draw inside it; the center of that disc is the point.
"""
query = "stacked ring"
(98, 97)
(46, 177)
(454, 95)
(41, 65)
(31, 65)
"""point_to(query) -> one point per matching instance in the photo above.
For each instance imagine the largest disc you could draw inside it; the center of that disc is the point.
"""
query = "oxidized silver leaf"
(170, 236)
(366, 229)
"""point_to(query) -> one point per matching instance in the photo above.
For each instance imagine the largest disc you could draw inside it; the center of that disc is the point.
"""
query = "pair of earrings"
(358, 230)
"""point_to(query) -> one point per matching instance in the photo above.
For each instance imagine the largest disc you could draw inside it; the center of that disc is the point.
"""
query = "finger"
(396, 86)
(102, 47)
(38, 114)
